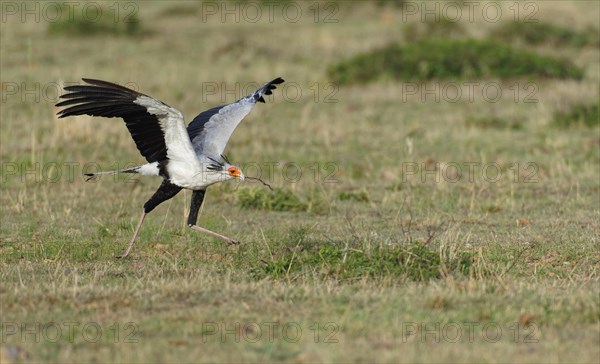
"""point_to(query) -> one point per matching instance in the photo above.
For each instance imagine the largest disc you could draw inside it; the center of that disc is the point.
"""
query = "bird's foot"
(233, 242)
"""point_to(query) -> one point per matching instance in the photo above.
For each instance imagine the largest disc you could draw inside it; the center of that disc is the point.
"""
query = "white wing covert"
(171, 121)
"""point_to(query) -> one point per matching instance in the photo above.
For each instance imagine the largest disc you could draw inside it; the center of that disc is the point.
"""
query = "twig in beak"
(261, 181)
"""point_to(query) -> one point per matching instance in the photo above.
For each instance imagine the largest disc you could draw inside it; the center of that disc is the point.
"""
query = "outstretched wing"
(210, 131)
(157, 129)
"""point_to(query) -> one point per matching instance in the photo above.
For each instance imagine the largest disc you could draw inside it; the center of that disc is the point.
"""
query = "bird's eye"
(232, 171)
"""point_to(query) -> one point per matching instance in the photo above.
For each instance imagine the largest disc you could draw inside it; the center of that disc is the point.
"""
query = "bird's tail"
(126, 170)
(150, 169)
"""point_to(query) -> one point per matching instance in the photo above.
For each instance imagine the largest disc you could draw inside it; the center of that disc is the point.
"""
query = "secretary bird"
(190, 158)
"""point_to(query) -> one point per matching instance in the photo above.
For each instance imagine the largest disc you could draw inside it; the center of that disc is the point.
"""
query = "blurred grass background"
(357, 240)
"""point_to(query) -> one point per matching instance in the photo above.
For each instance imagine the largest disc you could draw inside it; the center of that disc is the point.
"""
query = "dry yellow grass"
(537, 281)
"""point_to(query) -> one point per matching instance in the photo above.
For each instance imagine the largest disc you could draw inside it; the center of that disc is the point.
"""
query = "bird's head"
(226, 169)
(233, 172)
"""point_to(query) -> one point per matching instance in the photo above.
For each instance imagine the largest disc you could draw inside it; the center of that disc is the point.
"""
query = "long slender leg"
(165, 192)
(197, 199)
(216, 235)
(135, 233)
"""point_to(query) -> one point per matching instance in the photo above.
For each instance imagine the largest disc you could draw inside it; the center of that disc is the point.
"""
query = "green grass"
(360, 196)
(276, 200)
(493, 122)
(370, 262)
(434, 28)
(538, 33)
(95, 20)
(340, 262)
(580, 114)
(429, 59)
(391, 3)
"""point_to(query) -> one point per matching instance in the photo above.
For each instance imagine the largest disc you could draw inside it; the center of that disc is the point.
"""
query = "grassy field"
(412, 220)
